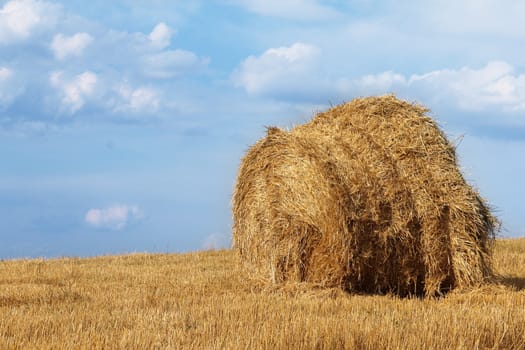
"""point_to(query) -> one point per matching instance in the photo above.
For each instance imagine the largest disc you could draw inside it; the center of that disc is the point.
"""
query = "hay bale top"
(399, 126)
(366, 196)
(394, 138)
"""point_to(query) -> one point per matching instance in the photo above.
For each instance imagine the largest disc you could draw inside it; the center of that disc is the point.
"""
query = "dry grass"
(202, 301)
(368, 197)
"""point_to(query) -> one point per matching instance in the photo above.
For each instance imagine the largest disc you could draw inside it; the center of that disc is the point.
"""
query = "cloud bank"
(58, 67)
(296, 73)
(55, 63)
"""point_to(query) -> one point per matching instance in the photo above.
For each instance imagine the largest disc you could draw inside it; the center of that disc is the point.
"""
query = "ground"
(203, 300)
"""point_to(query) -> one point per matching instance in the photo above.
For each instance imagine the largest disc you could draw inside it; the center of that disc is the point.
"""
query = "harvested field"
(203, 301)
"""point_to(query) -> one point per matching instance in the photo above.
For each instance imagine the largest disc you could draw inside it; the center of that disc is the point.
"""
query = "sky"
(122, 123)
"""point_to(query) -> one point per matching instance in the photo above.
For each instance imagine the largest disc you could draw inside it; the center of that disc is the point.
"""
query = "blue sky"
(122, 123)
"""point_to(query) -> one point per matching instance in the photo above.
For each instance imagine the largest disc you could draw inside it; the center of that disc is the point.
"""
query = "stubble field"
(203, 301)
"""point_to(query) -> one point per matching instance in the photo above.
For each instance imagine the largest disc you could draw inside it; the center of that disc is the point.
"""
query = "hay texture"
(367, 197)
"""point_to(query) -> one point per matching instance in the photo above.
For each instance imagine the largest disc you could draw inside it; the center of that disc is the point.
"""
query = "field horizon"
(203, 300)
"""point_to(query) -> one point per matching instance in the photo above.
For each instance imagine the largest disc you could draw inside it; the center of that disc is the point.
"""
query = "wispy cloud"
(172, 63)
(114, 217)
(301, 10)
(276, 69)
(137, 100)
(76, 91)
(485, 17)
(65, 46)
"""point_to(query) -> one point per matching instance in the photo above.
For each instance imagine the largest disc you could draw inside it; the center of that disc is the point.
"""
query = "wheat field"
(203, 301)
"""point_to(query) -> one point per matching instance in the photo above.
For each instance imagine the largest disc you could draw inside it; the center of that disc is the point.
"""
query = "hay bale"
(367, 197)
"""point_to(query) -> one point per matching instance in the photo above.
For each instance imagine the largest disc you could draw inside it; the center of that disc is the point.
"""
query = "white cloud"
(19, 19)
(114, 217)
(302, 10)
(381, 81)
(494, 85)
(276, 68)
(65, 46)
(5, 74)
(144, 98)
(172, 63)
(160, 36)
(137, 100)
(76, 91)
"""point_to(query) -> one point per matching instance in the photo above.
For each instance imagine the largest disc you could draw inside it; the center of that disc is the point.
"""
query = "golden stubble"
(204, 301)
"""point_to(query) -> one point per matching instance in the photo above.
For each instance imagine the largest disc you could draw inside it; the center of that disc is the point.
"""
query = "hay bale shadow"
(516, 283)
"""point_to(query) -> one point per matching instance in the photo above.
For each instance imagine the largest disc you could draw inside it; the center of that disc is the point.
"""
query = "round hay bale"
(367, 197)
